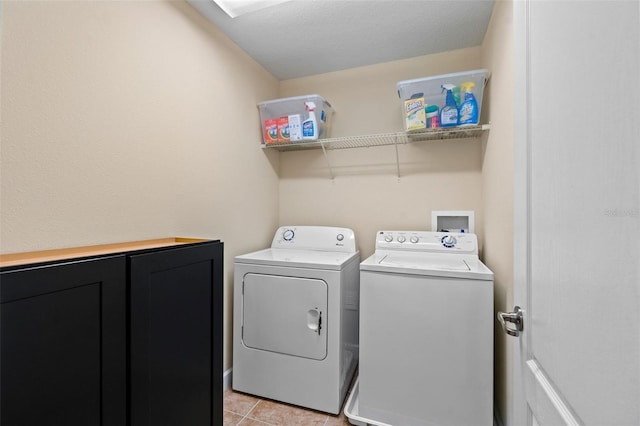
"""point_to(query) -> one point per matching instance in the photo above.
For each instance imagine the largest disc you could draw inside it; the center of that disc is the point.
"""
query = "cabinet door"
(176, 336)
(63, 344)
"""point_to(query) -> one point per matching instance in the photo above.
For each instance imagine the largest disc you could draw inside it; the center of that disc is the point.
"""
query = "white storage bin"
(280, 124)
(432, 93)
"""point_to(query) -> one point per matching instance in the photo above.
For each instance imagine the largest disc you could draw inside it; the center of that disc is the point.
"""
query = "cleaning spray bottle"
(449, 111)
(469, 107)
(310, 125)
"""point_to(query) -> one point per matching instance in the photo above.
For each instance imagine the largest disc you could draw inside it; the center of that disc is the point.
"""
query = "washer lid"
(436, 265)
(299, 258)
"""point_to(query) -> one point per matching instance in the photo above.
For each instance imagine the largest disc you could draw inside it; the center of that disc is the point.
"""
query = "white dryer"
(295, 332)
(426, 333)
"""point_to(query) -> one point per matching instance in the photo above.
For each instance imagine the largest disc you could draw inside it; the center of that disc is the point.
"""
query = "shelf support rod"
(326, 157)
(397, 158)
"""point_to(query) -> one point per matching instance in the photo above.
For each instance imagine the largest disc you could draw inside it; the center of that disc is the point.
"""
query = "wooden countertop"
(17, 259)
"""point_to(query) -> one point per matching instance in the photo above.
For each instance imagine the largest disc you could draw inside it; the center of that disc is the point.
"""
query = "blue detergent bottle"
(449, 112)
(469, 107)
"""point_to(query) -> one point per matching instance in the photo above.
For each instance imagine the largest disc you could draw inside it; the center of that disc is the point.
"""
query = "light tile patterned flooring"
(247, 410)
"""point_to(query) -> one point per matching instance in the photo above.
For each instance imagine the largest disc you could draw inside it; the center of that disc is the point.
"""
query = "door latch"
(314, 320)
(514, 317)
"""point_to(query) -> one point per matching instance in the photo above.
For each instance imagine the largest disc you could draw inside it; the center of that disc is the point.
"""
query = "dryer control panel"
(435, 242)
(323, 238)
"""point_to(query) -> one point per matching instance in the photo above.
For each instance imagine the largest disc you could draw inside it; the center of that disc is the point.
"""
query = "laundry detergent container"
(419, 96)
(283, 119)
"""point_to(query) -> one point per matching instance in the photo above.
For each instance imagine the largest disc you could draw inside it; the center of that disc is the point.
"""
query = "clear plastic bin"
(282, 118)
(432, 94)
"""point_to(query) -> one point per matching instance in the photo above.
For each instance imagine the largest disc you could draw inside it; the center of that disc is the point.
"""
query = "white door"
(287, 315)
(577, 213)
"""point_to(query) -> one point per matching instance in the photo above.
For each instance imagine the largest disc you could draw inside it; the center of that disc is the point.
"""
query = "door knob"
(515, 318)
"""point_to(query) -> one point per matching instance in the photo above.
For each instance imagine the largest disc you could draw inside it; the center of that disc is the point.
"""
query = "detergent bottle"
(469, 107)
(310, 125)
(449, 111)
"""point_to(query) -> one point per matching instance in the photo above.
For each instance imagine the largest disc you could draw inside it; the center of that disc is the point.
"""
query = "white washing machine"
(295, 332)
(426, 333)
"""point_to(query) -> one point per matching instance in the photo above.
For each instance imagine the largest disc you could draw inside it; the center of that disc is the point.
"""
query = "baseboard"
(227, 377)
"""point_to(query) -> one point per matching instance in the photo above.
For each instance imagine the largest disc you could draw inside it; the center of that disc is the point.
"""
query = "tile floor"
(247, 410)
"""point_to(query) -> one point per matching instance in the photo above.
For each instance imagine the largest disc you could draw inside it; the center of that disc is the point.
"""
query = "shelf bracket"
(326, 157)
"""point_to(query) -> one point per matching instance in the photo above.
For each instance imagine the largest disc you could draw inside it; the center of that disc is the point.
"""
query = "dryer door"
(286, 315)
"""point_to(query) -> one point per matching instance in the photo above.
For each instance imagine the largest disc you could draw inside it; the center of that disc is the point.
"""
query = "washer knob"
(340, 237)
(288, 235)
(449, 241)
(414, 239)
(402, 239)
(388, 238)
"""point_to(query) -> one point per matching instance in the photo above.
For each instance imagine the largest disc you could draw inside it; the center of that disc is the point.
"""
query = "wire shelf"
(381, 139)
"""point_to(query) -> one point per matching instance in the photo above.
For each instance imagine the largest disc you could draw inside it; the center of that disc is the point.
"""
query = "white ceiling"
(306, 37)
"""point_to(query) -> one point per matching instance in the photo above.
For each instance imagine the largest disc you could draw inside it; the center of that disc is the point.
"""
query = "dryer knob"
(414, 239)
(340, 237)
(402, 239)
(388, 238)
(288, 235)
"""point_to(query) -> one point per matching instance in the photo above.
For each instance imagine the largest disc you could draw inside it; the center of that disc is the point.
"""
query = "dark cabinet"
(63, 344)
(176, 337)
(133, 336)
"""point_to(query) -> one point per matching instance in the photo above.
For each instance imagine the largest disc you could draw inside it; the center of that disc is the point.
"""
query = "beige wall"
(123, 121)
(366, 194)
(497, 182)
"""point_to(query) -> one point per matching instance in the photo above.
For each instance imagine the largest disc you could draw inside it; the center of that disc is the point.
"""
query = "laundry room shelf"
(381, 139)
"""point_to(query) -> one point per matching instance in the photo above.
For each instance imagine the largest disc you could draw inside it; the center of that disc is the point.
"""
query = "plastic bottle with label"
(469, 107)
(310, 125)
(449, 112)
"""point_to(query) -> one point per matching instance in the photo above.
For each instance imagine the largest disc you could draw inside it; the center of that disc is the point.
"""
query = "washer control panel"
(449, 241)
(325, 238)
(436, 242)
